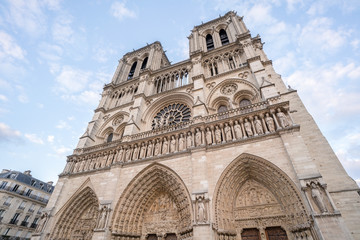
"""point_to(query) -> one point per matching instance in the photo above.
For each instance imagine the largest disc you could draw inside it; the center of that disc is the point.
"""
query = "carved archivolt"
(253, 192)
(77, 219)
(112, 122)
(156, 201)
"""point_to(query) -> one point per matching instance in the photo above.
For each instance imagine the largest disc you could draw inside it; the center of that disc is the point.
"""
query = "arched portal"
(254, 195)
(156, 202)
(77, 218)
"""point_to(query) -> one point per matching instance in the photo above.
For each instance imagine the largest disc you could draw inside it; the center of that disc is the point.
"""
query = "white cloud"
(8, 134)
(319, 34)
(72, 80)
(50, 139)
(34, 138)
(101, 54)
(85, 97)
(50, 52)
(63, 125)
(119, 11)
(355, 43)
(62, 151)
(3, 98)
(9, 49)
(27, 15)
(260, 14)
(62, 31)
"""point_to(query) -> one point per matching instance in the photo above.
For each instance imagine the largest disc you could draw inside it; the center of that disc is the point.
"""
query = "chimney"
(50, 183)
(27, 172)
(5, 171)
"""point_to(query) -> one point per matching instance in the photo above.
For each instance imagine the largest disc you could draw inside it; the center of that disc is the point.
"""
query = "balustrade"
(244, 123)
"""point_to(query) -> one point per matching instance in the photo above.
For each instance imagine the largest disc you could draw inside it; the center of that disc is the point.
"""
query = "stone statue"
(217, 134)
(198, 137)
(282, 119)
(102, 217)
(150, 149)
(258, 126)
(208, 136)
(269, 122)
(181, 142)
(43, 220)
(128, 154)
(247, 126)
(189, 140)
(173, 144)
(142, 150)
(136, 152)
(120, 154)
(103, 162)
(227, 130)
(237, 130)
(316, 195)
(165, 146)
(157, 147)
(201, 216)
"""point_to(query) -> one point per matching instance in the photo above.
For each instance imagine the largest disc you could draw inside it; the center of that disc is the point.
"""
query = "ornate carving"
(118, 120)
(103, 216)
(171, 115)
(229, 89)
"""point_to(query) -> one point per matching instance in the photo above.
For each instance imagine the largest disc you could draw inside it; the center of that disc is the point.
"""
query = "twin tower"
(214, 147)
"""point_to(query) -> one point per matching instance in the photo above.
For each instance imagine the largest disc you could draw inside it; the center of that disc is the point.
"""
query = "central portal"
(161, 218)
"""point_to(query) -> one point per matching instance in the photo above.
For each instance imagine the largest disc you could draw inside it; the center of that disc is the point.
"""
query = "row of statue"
(210, 135)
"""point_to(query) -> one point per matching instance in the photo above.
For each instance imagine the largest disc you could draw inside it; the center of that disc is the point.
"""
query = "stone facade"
(213, 147)
(22, 199)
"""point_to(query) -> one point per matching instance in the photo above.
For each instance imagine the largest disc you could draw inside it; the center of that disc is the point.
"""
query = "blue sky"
(55, 57)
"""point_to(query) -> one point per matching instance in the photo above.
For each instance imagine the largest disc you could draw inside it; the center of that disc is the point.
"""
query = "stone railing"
(253, 121)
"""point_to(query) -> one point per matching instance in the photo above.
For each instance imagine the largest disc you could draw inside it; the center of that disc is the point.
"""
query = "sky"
(56, 56)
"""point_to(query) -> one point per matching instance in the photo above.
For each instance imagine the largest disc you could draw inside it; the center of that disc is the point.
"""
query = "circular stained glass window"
(171, 115)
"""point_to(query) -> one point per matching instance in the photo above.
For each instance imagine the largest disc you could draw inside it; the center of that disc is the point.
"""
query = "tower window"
(223, 37)
(110, 137)
(144, 63)
(132, 71)
(244, 102)
(222, 109)
(209, 42)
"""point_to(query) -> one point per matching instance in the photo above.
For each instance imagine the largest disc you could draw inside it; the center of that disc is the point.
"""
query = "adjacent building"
(22, 199)
(212, 147)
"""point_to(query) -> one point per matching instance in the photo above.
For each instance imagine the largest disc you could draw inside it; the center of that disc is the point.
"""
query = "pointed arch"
(79, 213)
(250, 170)
(138, 198)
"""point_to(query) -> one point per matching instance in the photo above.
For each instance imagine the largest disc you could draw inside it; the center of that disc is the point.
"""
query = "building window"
(209, 42)
(144, 63)
(109, 137)
(28, 192)
(33, 182)
(132, 71)
(223, 37)
(1, 212)
(3, 185)
(18, 233)
(244, 102)
(14, 220)
(222, 109)
(31, 208)
(40, 210)
(22, 205)
(6, 231)
(8, 201)
(15, 188)
(171, 115)
(41, 185)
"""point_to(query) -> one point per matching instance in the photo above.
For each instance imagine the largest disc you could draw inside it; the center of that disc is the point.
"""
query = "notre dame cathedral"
(214, 147)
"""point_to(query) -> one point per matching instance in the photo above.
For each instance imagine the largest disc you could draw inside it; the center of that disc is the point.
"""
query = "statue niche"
(162, 215)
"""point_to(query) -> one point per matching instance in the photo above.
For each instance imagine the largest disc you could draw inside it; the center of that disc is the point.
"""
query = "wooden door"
(275, 233)
(250, 234)
(170, 236)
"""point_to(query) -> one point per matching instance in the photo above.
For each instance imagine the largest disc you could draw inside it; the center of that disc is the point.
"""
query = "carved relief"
(318, 196)
(201, 208)
(104, 213)
(117, 120)
(229, 89)
(171, 115)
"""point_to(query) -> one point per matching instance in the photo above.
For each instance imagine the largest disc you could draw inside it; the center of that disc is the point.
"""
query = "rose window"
(171, 115)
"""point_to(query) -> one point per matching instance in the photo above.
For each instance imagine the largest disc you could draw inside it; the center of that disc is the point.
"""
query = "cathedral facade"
(213, 147)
